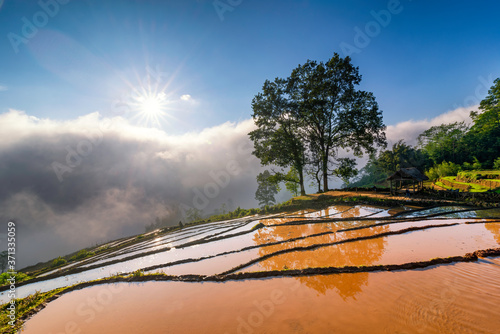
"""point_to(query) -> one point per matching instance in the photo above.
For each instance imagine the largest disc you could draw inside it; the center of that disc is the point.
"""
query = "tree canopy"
(444, 142)
(266, 189)
(483, 138)
(277, 139)
(447, 148)
(306, 118)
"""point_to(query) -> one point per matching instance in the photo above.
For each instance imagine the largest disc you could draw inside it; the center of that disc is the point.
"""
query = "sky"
(115, 112)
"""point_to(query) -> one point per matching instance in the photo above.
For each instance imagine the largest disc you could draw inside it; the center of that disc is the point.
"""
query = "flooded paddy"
(446, 298)
(459, 298)
(415, 246)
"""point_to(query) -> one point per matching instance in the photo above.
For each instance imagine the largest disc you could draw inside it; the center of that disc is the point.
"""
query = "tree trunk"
(319, 183)
(301, 181)
(325, 173)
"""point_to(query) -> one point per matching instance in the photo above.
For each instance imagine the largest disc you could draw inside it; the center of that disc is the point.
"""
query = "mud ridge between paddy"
(333, 220)
(469, 257)
(167, 241)
(191, 260)
(316, 246)
(77, 270)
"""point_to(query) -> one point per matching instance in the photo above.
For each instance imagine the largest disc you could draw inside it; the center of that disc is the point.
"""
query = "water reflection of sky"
(366, 252)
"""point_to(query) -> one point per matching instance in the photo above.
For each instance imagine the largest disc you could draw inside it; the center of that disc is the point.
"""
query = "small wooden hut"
(407, 176)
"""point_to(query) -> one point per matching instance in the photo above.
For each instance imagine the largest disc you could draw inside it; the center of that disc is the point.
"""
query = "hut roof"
(408, 174)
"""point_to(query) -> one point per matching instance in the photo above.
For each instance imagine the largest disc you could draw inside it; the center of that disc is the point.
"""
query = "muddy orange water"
(454, 298)
(414, 246)
(459, 298)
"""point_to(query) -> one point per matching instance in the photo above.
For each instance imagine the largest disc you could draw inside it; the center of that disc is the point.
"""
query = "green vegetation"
(23, 307)
(137, 273)
(304, 119)
(380, 166)
(81, 255)
(266, 189)
(454, 149)
(59, 262)
(452, 182)
(346, 170)
(442, 170)
(471, 186)
(496, 163)
(471, 176)
(18, 276)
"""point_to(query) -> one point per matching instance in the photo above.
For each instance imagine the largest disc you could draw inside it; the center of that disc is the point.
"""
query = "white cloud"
(409, 130)
(3, 88)
(121, 179)
(126, 175)
(186, 97)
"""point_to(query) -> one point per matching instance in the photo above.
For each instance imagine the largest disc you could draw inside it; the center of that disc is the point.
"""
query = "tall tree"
(483, 138)
(314, 172)
(266, 189)
(3, 260)
(333, 113)
(277, 139)
(444, 142)
(401, 156)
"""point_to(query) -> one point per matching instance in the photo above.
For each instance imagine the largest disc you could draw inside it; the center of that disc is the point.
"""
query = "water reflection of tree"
(494, 228)
(365, 252)
(346, 285)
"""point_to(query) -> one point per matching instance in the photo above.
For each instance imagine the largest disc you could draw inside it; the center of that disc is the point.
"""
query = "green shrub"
(81, 255)
(19, 277)
(467, 166)
(443, 169)
(58, 262)
(432, 174)
(496, 163)
(137, 273)
(477, 165)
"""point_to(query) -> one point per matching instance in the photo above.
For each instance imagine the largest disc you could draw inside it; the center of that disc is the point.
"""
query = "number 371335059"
(11, 239)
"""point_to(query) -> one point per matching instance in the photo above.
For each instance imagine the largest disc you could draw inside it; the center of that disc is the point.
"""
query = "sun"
(153, 105)
(150, 108)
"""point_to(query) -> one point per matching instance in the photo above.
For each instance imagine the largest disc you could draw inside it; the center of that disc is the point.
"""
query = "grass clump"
(82, 255)
(60, 261)
(137, 273)
(19, 277)
(22, 308)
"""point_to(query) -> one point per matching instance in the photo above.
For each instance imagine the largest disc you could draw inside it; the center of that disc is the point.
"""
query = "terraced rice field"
(346, 269)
